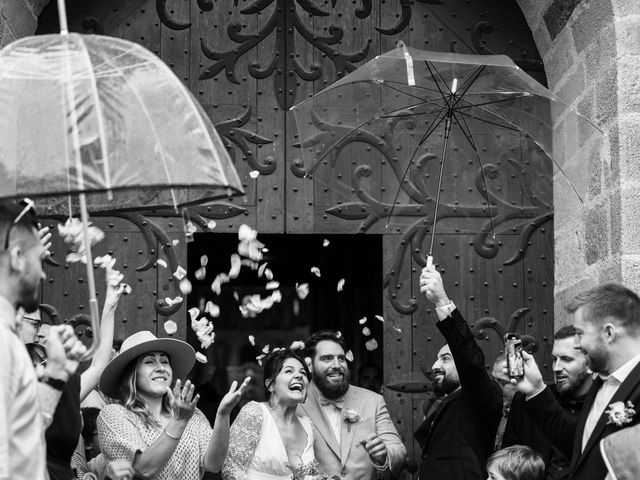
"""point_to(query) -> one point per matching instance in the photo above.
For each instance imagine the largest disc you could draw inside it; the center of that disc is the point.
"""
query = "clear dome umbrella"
(100, 123)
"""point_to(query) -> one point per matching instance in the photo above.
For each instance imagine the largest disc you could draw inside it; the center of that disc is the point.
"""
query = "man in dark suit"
(607, 323)
(459, 430)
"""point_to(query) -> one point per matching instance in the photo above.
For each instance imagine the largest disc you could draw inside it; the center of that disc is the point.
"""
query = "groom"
(354, 436)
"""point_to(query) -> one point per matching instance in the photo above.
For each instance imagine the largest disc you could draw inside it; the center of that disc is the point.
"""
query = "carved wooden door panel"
(247, 62)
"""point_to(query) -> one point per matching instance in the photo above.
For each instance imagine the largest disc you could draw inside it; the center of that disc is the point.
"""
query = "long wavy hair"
(132, 400)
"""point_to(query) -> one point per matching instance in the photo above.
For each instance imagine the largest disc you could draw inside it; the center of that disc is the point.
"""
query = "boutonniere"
(350, 416)
(620, 414)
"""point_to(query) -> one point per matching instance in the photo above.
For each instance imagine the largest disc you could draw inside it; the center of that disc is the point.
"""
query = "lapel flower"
(350, 416)
(620, 414)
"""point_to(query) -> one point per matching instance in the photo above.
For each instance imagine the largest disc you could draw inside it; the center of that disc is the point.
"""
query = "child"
(515, 463)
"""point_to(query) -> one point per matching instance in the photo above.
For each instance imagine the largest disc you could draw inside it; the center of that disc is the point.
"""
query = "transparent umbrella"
(458, 137)
(100, 123)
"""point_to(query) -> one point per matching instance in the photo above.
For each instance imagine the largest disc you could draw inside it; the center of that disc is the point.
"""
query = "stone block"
(629, 82)
(626, 7)
(596, 229)
(560, 59)
(612, 177)
(6, 35)
(567, 294)
(606, 96)
(593, 17)
(630, 272)
(629, 148)
(595, 183)
(610, 271)
(630, 217)
(568, 249)
(628, 35)
(601, 54)
(558, 14)
(19, 17)
(615, 214)
(572, 85)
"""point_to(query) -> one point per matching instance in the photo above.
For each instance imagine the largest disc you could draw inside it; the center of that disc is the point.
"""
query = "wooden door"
(247, 62)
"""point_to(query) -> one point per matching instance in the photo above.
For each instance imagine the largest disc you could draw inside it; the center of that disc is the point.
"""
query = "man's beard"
(597, 359)
(571, 385)
(329, 389)
(445, 386)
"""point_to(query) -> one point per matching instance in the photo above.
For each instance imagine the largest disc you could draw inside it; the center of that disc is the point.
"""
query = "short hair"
(319, 336)
(37, 353)
(609, 299)
(518, 462)
(273, 364)
(568, 331)
(9, 211)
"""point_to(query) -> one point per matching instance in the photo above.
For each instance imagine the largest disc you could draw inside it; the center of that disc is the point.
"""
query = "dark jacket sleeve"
(479, 391)
(556, 424)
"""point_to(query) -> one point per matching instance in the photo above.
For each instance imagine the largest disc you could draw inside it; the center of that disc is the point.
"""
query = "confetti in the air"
(340, 284)
(272, 285)
(200, 273)
(268, 274)
(380, 317)
(302, 290)
(265, 349)
(325, 243)
(259, 358)
(211, 224)
(175, 242)
(179, 273)
(73, 234)
(254, 173)
(366, 332)
(245, 262)
(296, 345)
(248, 245)
(236, 264)
(315, 271)
(349, 356)
(204, 260)
(162, 263)
(170, 327)
(338, 334)
(212, 309)
(261, 269)
(371, 344)
(194, 313)
(173, 301)
(252, 340)
(220, 280)
(106, 261)
(236, 296)
(201, 358)
(362, 321)
(185, 286)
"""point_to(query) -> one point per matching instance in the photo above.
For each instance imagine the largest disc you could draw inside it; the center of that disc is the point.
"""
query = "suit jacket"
(458, 437)
(349, 459)
(566, 432)
(621, 454)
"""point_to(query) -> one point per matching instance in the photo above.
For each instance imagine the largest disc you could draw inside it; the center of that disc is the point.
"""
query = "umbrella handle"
(429, 261)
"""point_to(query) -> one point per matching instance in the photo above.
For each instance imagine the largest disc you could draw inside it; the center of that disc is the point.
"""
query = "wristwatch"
(54, 383)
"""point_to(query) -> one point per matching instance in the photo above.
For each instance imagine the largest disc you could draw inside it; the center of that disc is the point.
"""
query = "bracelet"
(170, 436)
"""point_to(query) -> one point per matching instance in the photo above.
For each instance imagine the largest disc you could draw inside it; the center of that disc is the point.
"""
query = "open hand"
(532, 381)
(182, 401)
(432, 287)
(115, 288)
(232, 397)
(376, 448)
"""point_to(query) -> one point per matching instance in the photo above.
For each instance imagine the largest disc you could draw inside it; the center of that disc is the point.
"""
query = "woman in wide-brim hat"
(155, 425)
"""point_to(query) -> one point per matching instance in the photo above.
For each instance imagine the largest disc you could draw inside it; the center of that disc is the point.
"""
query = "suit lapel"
(446, 402)
(621, 395)
(348, 430)
(314, 411)
(582, 418)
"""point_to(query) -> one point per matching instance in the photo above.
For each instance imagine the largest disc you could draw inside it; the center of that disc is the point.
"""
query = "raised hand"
(232, 397)
(115, 288)
(376, 448)
(182, 401)
(45, 239)
(432, 287)
(532, 381)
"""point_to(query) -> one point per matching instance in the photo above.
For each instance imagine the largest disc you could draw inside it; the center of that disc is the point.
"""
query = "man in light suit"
(607, 323)
(354, 436)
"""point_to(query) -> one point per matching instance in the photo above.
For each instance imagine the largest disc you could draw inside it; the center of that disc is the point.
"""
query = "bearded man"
(458, 433)
(354, 436)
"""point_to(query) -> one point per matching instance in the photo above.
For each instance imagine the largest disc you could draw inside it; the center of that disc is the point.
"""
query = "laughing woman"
(154, 426)
(268, 441)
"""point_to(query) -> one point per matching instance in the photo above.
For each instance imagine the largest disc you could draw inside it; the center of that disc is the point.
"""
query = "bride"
(268, 441)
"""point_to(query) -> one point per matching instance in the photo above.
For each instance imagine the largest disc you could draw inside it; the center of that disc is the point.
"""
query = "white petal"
(366, 332)
(201, 358)
(161, 262)
(261, 269)
(371, 344)
(325, 243)
(211, 224)
(204, 260)
(185, 286)
(315, 271)
(268, 274)
(349, 356)
(236, 264)
(254, 173)
(340, 284)
(252, 340)
(170, 327)
(296, 345)
(200, 273)
(302, 290)
(272, 285)
(175, 242)
(362, 321)
(179, 273)
(194, 313)
(212, 309)
(380, 317)
(265, 349)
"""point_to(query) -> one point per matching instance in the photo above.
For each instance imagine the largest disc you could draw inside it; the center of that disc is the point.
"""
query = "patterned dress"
(123, 435)
(256, 450)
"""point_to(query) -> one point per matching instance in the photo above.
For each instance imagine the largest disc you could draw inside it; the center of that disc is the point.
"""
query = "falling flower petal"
(248, 245)
(325, 243)
(220, 279)
(201, 358)
(207, 340)
(200, 325)
(170, 327)
(349, 356)
(268, 274)
(315, 271)
(296, 345)
(397, 329)
(173, 301)
(252, 340)
(265, 349)
(338, 334)
(259, 358)
(380, 317)
(236, 264)
(201, 273)
(107, 261)
(179, 273)
(272, 285)
(211, 224)
(302, 290)
(261, 269)
(161, 262)
(265, 250)
(340, 284)
(235, 295)
(249, 264)
(362, 321)
(194, 313)
(185, 286)
(212, 309)
(254, 173)
(371, 344)
(175, 242)
(204, 260)
(366, 332)
(73, 234)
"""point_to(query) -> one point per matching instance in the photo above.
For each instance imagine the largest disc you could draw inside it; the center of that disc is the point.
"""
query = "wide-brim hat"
(182, 356)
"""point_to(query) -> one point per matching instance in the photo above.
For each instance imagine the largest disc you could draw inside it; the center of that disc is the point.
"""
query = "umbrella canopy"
(104, 116)
(464, 137)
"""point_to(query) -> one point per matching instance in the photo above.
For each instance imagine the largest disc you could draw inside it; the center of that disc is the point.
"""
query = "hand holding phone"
(513, 352)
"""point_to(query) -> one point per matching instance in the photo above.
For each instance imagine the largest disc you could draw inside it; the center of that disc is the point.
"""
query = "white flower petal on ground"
(185, 286)
(252, 340)
(362, 321)
(254, 173)
(272, 285)
(349, 356)
(366, 332)
(325, 243)
(194, 313)
(162, 263)
(179, 273)
(212, 309)
(201, 358)
(296, 345)
(371, 344)
(170, 327)
(236, 265)
(340, 284)
(315, 271)
(200, 273)
(211, 224)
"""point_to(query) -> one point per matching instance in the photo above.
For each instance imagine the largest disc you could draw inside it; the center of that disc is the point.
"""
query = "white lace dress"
(256, 450)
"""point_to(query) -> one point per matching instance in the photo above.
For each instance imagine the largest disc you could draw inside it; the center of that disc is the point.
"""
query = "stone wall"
(19, 18)
(590, 50)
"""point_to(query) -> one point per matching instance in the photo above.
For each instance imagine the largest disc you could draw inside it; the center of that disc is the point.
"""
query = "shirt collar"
(624, 370)
(8, 314)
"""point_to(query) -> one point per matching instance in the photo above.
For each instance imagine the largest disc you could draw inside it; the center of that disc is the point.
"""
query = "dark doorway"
(356, 259)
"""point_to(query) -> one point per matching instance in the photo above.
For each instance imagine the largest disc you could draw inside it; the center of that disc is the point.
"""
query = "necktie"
(337, 402)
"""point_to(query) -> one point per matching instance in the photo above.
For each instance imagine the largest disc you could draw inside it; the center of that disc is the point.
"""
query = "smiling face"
(330, 369)
(569, 366)
(589, 339)
(290, 384)
(445, 373)
(153, 374)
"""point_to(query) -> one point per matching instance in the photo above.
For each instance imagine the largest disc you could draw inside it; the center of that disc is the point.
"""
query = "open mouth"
(296, 387)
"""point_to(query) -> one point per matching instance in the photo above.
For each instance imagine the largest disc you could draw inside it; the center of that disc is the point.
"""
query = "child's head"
(515, 463)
